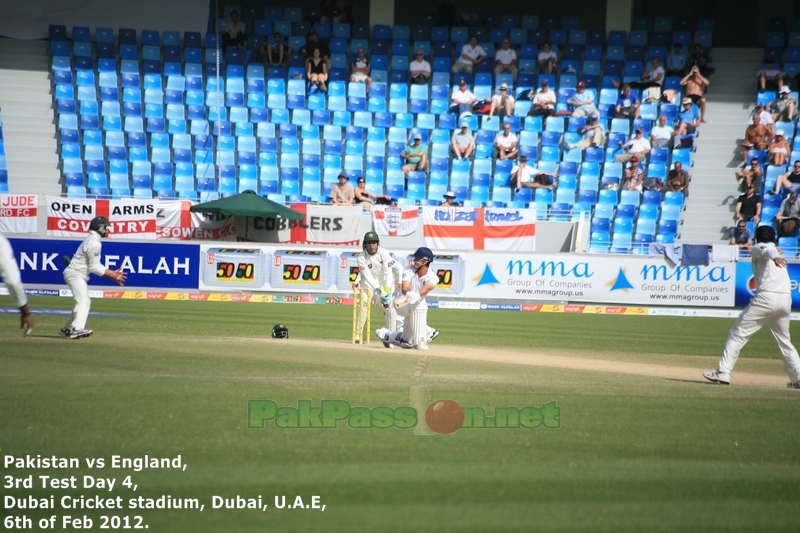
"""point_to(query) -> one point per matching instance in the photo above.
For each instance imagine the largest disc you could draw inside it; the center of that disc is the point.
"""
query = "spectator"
(363, 196)
(748, 206)
(233, 33)
(676, 62)
(633, 175)
(582, 101)
(700, 60)
(652, 77)
(763, 115)
(784, 109)
(317, 71)
(361, 69)
(769, 77)
(544, 102)
(333, 11)
(654, 183)
(638, 146)
(415, 155)
(750, 175)
(471, 54)
(449, 200)
(463, 142)
(530, 177)
(462, 100)
(312, 43)
(627, 104)
(502, 103)
(695, 84)
(789, 181)
(505, 60)
(755, 137)
(741, 236)
(547, 59)
(343, 193)
(678, 180)
(788, 216)
(419, 69)
(779, 149)
(275, 52)
(689, 118)
(506, 143)
(593, 134)
(661, 135)
(446, 14)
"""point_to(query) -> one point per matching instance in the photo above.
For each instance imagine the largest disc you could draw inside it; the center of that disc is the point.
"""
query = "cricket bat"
(401, 301)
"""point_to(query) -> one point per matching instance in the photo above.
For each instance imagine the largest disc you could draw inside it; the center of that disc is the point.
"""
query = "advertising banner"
(147, 264)
(395, 221)
(234, 268)
(322, 224)
(175, 221)
(463, 228)
(129, 218)
(746, 283)
(18, 213)
(303, 270)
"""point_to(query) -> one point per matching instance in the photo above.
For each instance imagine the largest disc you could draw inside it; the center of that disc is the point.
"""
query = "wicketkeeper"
(381, 273)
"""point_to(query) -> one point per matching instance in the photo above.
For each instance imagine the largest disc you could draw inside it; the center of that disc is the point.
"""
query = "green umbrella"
(247, 204)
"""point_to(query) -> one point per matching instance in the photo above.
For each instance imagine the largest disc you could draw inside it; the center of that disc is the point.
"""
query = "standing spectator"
(678, 180)
(755, 137)
(788, 216)
(769, 77)
(688, 117)
(471, 54)
(312, 43)
(343, 193)
(748, 206)
(446, 14)
(700, 60)
(633, 175)
(419, 69)
(463, 142)
(234, 32)
(502, 104)
(9, 272)
(462, 99)
(661, 134)
(544, 102)
(583, 101)
(530, 177)
(695, 84)
(784, 109)
(637, 146)
(317, 71)
(779, 149)
(415, 155)
(789, 181)
(627, 104)
(676, 62)
(361, 69)
(750, 175)
(505, 60)
(506, 143)
(741, 236)
(594, 134)
(363, 196)
(547, 59)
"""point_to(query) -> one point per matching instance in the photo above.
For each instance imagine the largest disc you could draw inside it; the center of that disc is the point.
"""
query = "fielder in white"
(9, 271)
(771, 305)
(86, 261)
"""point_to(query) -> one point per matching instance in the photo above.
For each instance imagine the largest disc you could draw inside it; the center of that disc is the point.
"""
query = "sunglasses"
(420, 55)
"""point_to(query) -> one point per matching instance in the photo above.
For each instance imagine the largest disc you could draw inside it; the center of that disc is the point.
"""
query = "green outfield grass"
(633, 453)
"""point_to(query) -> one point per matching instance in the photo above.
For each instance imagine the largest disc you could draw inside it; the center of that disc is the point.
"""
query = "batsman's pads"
(279, 331)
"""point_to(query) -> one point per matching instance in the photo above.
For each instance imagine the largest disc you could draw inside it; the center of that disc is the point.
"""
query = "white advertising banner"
(175, 221)
(128, 218)
(321, 224)
(464, 228)
(394, 221)
(18, 213)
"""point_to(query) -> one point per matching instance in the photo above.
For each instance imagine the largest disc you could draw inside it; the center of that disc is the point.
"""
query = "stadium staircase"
(28, 129)
(713, 191)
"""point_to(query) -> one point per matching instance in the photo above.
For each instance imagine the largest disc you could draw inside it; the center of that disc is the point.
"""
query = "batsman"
(381, 273)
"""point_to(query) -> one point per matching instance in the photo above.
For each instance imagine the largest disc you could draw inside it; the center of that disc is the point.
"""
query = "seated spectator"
(312, 43)
(449, 200)
(676, 62)
(593, 134)
(419, 69)
(471, 54)
(755, 137)
(764, 116)
(627, 104)
(637, 146)
(694, 84)
(633, 175)
(274, 52)
(769, 78)
(502, 103)
(361, 69)
(446, 14)
(779, 149)
(700, 60)
(652, 77)
(750, 175)
(748, 206)
(784, 109)
(689, 118)
(661, 135)
(506, 143)
(233, 33)
(317, 71)
(741, 236)
(544, 102)
(530, 177)
(583, 101)
(415, 155)
(788, 216)
(789, 181)
(678, 180)
(343, 193)
(462, 100)
(333, 11)
(363, 196)
(505, 60)
(547, 59)
(463, 142)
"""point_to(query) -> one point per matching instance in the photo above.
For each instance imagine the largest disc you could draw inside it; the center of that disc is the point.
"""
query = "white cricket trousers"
(80, 291)
(772, 309)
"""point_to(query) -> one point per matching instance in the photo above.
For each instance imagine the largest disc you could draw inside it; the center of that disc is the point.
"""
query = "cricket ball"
(444, 416)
